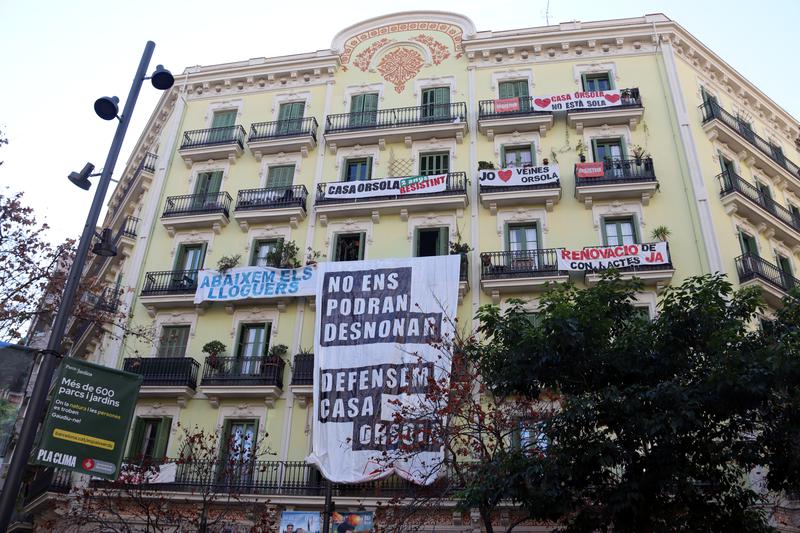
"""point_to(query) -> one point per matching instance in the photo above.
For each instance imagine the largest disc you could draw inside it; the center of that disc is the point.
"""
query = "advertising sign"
(387, 187)
(299, 522)
(255, 282)
(88, 419)
(506, 105)
(16, 362)
(589, 170)
(626, 255)
(357, 522)
(513, 177)
(375, 325)
(578, 100)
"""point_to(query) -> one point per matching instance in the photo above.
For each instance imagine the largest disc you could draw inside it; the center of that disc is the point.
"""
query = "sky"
(59, 56)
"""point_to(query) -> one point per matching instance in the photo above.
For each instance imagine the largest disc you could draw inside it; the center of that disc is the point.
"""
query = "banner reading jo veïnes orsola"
(375, 321)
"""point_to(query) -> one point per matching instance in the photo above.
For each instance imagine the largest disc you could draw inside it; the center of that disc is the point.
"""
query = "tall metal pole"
(329, 508)
(51, 355)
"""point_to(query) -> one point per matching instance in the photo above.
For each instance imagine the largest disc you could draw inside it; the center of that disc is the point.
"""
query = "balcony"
(656, 276)
(138, 184)
(165, 376)
(774, 283)
(522, 117)
(212, 143)
(519, 271)
(46, 480)
(128, 233)
(628, 113)
(269, 206)
(737, 134)
(463, 278)
(192, 211)
(622, 178)
(770, 217)
(168, 288)
(303, 378)
(294, 135)
(402, 124)
(545, 195)
(454, 197)
(98, 309)
(239, 377)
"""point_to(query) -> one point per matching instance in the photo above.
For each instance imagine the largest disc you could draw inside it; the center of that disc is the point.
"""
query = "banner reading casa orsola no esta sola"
(374, 324)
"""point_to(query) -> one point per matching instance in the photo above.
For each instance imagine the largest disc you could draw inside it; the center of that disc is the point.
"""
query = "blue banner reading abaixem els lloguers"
(255, 282)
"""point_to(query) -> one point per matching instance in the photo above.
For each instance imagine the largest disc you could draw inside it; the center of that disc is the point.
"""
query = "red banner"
(506, 105)
(589, 170)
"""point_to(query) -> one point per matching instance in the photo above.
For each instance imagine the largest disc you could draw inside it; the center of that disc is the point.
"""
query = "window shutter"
(280, 177)
(441, 95)
(135, 444)
(522, 88)
(368, 173)
(224, 119)
(357, 103)
(444, 234)
(370, 102)
(361, 243)
(214, 183)
(502, 156)
(202, 183)
(506, 90)
(162, 438)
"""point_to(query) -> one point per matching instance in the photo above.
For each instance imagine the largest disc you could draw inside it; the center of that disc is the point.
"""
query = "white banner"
(387, 187)
(623, 256)
(255, 282)
(375, 322)
(577, 100)
(512, 177)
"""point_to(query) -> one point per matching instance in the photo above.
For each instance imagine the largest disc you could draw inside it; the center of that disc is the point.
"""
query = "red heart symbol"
(542, 102)
(504, 175)
(613, 98)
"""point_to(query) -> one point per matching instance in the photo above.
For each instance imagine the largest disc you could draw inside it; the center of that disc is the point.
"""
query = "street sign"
(88, 419)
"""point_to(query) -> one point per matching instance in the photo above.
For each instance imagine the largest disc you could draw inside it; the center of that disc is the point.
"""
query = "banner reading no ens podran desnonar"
(88, 419)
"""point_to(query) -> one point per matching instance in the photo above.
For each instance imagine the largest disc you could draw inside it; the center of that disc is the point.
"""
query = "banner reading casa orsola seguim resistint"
(374, 324)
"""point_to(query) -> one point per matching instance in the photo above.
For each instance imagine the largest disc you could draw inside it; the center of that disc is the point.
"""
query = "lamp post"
(107, 109)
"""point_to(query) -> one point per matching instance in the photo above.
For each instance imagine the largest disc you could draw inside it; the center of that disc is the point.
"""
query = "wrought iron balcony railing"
(197, 204)
(643, 267)
(628, 98)
(712, 110)
(456, 183)
(165, 371)
(486, 109)
(621, 171)
(272, 198)
(213, 136)
(303, 369)
(243, 371)
(149, 162)
(48, 480)
(750, 266)
(397, 117)
(261, 131)
(170, 282)
(520, 264)
(729, 183)
(555, 185)
(130, 227)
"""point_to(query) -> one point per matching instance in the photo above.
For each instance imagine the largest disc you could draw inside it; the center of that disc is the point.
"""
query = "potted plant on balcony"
(660, 233)
(639, 154)
(284, 255)
(213, 349)
(274, 358)
(312, 256)
(462, 249)
(485, 165)
(581, 151)
(227, 262)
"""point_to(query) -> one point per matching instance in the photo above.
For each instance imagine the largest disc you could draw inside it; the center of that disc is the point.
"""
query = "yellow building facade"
(236, 158)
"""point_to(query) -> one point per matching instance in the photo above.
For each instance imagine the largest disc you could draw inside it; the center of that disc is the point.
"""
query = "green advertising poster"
(88, 419)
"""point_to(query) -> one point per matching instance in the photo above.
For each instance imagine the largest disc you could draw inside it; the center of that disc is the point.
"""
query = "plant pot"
(583, 158)
(638, 161)
(546, 161)
(486, 260)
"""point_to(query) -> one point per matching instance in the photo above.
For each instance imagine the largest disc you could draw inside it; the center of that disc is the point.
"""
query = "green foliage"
(660, 421)
(278, 351)
(284, 255)
(213, 348)
(227, 262)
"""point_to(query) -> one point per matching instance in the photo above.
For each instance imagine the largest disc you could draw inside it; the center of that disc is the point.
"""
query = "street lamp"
(107, 109)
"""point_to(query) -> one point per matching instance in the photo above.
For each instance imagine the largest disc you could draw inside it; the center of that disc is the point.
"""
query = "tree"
(594, 417)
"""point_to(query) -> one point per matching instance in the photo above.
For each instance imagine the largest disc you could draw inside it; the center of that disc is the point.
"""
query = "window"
(432, 241)
(748, 244)
(190, 257)
(618, 231)
(261, 250)
(529, 437)
(708, 97)
(522, 237)
(239, 451)
(223, 123)
(173, 342)
(290, 117)
(607, 149)
(436, 103)
(280, 177)
(253, 340)
(795, 211)
(764, 189)
(149, 438)
(785, 267)
(206, 189)
(513, 89)
(363, 110)
(600, 81)
(517, 156)
(745, 129)
(349, 246)
(358, 169)
(434, 163)
(727, 166)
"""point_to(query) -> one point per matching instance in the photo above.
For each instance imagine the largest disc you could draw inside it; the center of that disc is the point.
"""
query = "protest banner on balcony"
(254, 283)
(516, 176)
(589, 170)
(376, 323)
(506, 105)
(622, 256)
(386, 187)
(578, 100)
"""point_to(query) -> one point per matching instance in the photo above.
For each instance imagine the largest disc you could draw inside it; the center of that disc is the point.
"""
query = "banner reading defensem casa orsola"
(515, 176)
(375, 325)
(387, 187)
(622, 256)
(255, 282)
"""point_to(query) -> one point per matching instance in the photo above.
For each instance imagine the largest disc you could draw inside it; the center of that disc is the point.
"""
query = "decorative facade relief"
(399, 66)
(451, 30)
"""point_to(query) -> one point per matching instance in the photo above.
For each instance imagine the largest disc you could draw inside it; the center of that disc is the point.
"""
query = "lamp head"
(106, 247)
(162, 79)
(107, 107)
(81, 179)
